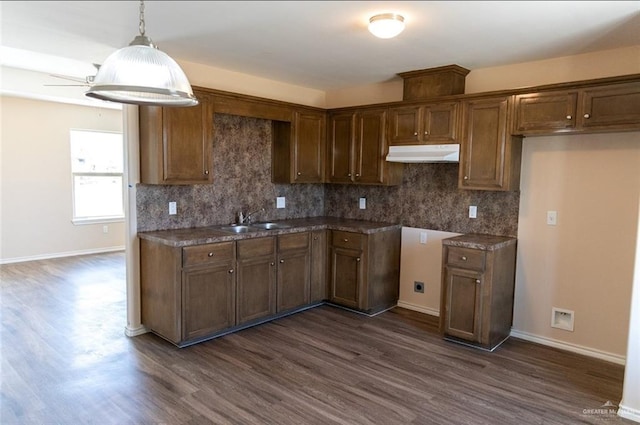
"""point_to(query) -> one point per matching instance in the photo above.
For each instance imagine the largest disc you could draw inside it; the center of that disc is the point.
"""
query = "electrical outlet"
(173, 209)
(105, 229)
(552, 218)
(280, 202)
(418, 287)
(473, 211)
(423, 238)
(363, 203)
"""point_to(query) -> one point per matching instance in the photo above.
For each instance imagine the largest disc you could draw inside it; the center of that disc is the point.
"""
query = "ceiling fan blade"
(66, 85)
(64, 77)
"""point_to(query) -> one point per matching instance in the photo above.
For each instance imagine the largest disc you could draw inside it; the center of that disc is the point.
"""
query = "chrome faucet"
(246, 218)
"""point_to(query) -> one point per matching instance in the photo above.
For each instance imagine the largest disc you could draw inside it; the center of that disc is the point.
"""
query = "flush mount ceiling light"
(386, 25)
(141, 74)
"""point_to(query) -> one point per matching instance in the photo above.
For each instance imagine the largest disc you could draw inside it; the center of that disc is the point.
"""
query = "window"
(97, 161)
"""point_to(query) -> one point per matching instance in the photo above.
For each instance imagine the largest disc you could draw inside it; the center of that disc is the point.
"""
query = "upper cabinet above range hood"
(424, 153)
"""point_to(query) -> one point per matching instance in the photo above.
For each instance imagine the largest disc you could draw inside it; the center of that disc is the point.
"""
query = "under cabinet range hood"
(424, 153)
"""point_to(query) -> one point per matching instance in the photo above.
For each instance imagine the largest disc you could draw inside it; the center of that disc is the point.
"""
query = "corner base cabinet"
(477, 289)
(364, 269)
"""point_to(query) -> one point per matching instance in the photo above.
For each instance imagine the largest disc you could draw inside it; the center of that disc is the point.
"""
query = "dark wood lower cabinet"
(477, 289)
(319, 290)
(256, 293)
(346, 277)
(294, 271)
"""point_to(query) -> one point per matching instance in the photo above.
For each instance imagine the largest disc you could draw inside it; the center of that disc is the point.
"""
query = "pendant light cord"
(141, 27)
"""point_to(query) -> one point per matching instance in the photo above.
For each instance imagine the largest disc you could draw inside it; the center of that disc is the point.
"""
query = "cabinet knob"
(349, 175)
(206, 172)
(273, 264)
(230, 271)
(466, 177)
(477, 280)
(569, 117)
(210, 254)
(299, 173)
(587, 116)
(345, 240)
(463, 258)
(415, 134)
(358, 259)
(315, 238)
(281, 261)
(426, 133)
(357, 175)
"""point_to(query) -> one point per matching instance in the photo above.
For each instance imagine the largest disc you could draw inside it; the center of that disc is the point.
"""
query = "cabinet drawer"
(347, 240)
(213, 253)
(466, 258)
(256, 247)
(293, 241)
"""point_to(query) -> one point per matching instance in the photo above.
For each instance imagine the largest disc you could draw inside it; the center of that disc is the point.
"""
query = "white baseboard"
(629, 413)
(419, 308)
(61, 254)
(131, 332)
(586, 351)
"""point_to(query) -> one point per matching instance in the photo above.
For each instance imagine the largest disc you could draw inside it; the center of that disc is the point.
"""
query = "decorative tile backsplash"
(428, 198)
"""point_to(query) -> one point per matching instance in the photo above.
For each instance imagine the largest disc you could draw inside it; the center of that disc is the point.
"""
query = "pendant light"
(141, 74)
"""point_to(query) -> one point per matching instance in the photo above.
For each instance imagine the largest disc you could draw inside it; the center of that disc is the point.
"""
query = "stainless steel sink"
(270, 226)
(237, 228)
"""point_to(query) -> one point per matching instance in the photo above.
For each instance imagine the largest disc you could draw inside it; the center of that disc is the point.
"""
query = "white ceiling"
(323, 44)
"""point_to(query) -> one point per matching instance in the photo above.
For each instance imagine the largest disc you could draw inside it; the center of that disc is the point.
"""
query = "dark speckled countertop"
(479, 241)
(212, 234)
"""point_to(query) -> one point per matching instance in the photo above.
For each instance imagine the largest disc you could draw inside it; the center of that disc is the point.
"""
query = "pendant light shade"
(141, 74)
(386, 25)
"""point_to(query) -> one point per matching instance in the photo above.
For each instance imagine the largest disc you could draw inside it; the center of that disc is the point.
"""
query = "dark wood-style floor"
(65, 360)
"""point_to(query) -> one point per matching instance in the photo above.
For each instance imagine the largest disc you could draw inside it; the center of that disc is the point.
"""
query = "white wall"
(36, 200)
(584, 263)
(422, 263)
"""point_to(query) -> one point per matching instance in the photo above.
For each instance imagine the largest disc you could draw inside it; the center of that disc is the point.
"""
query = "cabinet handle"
(231, 271)
(357, 175)
(315, 238)
(477, 280)
(569, 117)
(299, 173)
(349, 175)
(210, 254)
(345, 240)
(466, 177)
(426, 133)
(358, 259)
(206, 172)
(273, 264)
(587, 116)
(415, 134)
(281, 261)
(463, 258)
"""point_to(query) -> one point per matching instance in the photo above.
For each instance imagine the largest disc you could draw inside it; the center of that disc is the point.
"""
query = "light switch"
(552, 218)
(280, 202)
(423, 238)
(173, 209)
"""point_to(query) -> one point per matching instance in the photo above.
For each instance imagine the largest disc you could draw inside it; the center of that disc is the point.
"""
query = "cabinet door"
(611, 108)
(462, 316)
(440, 123)
(405, 126)
(346, 277)
(318, 285)
(256, 292)
(308, 147)
(489, 161)
(208, 301)
(370, 146)
(542, 113)
(294, 272)
(341, 148)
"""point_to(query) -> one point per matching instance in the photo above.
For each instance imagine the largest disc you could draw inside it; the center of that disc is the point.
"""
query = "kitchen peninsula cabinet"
(256, 293)
(489, 156)
(429, 124)
(364, 269)
(358, 149)
(176, 143)
(299, 148)
(187, 293)
(478, 281)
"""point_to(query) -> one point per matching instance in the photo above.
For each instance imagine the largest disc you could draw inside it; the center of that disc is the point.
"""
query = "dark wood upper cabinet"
(176, 143)
(615, 107)
(435, 123)
(358, 149)
(489, 155)
(539, 113)
(298, 148)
